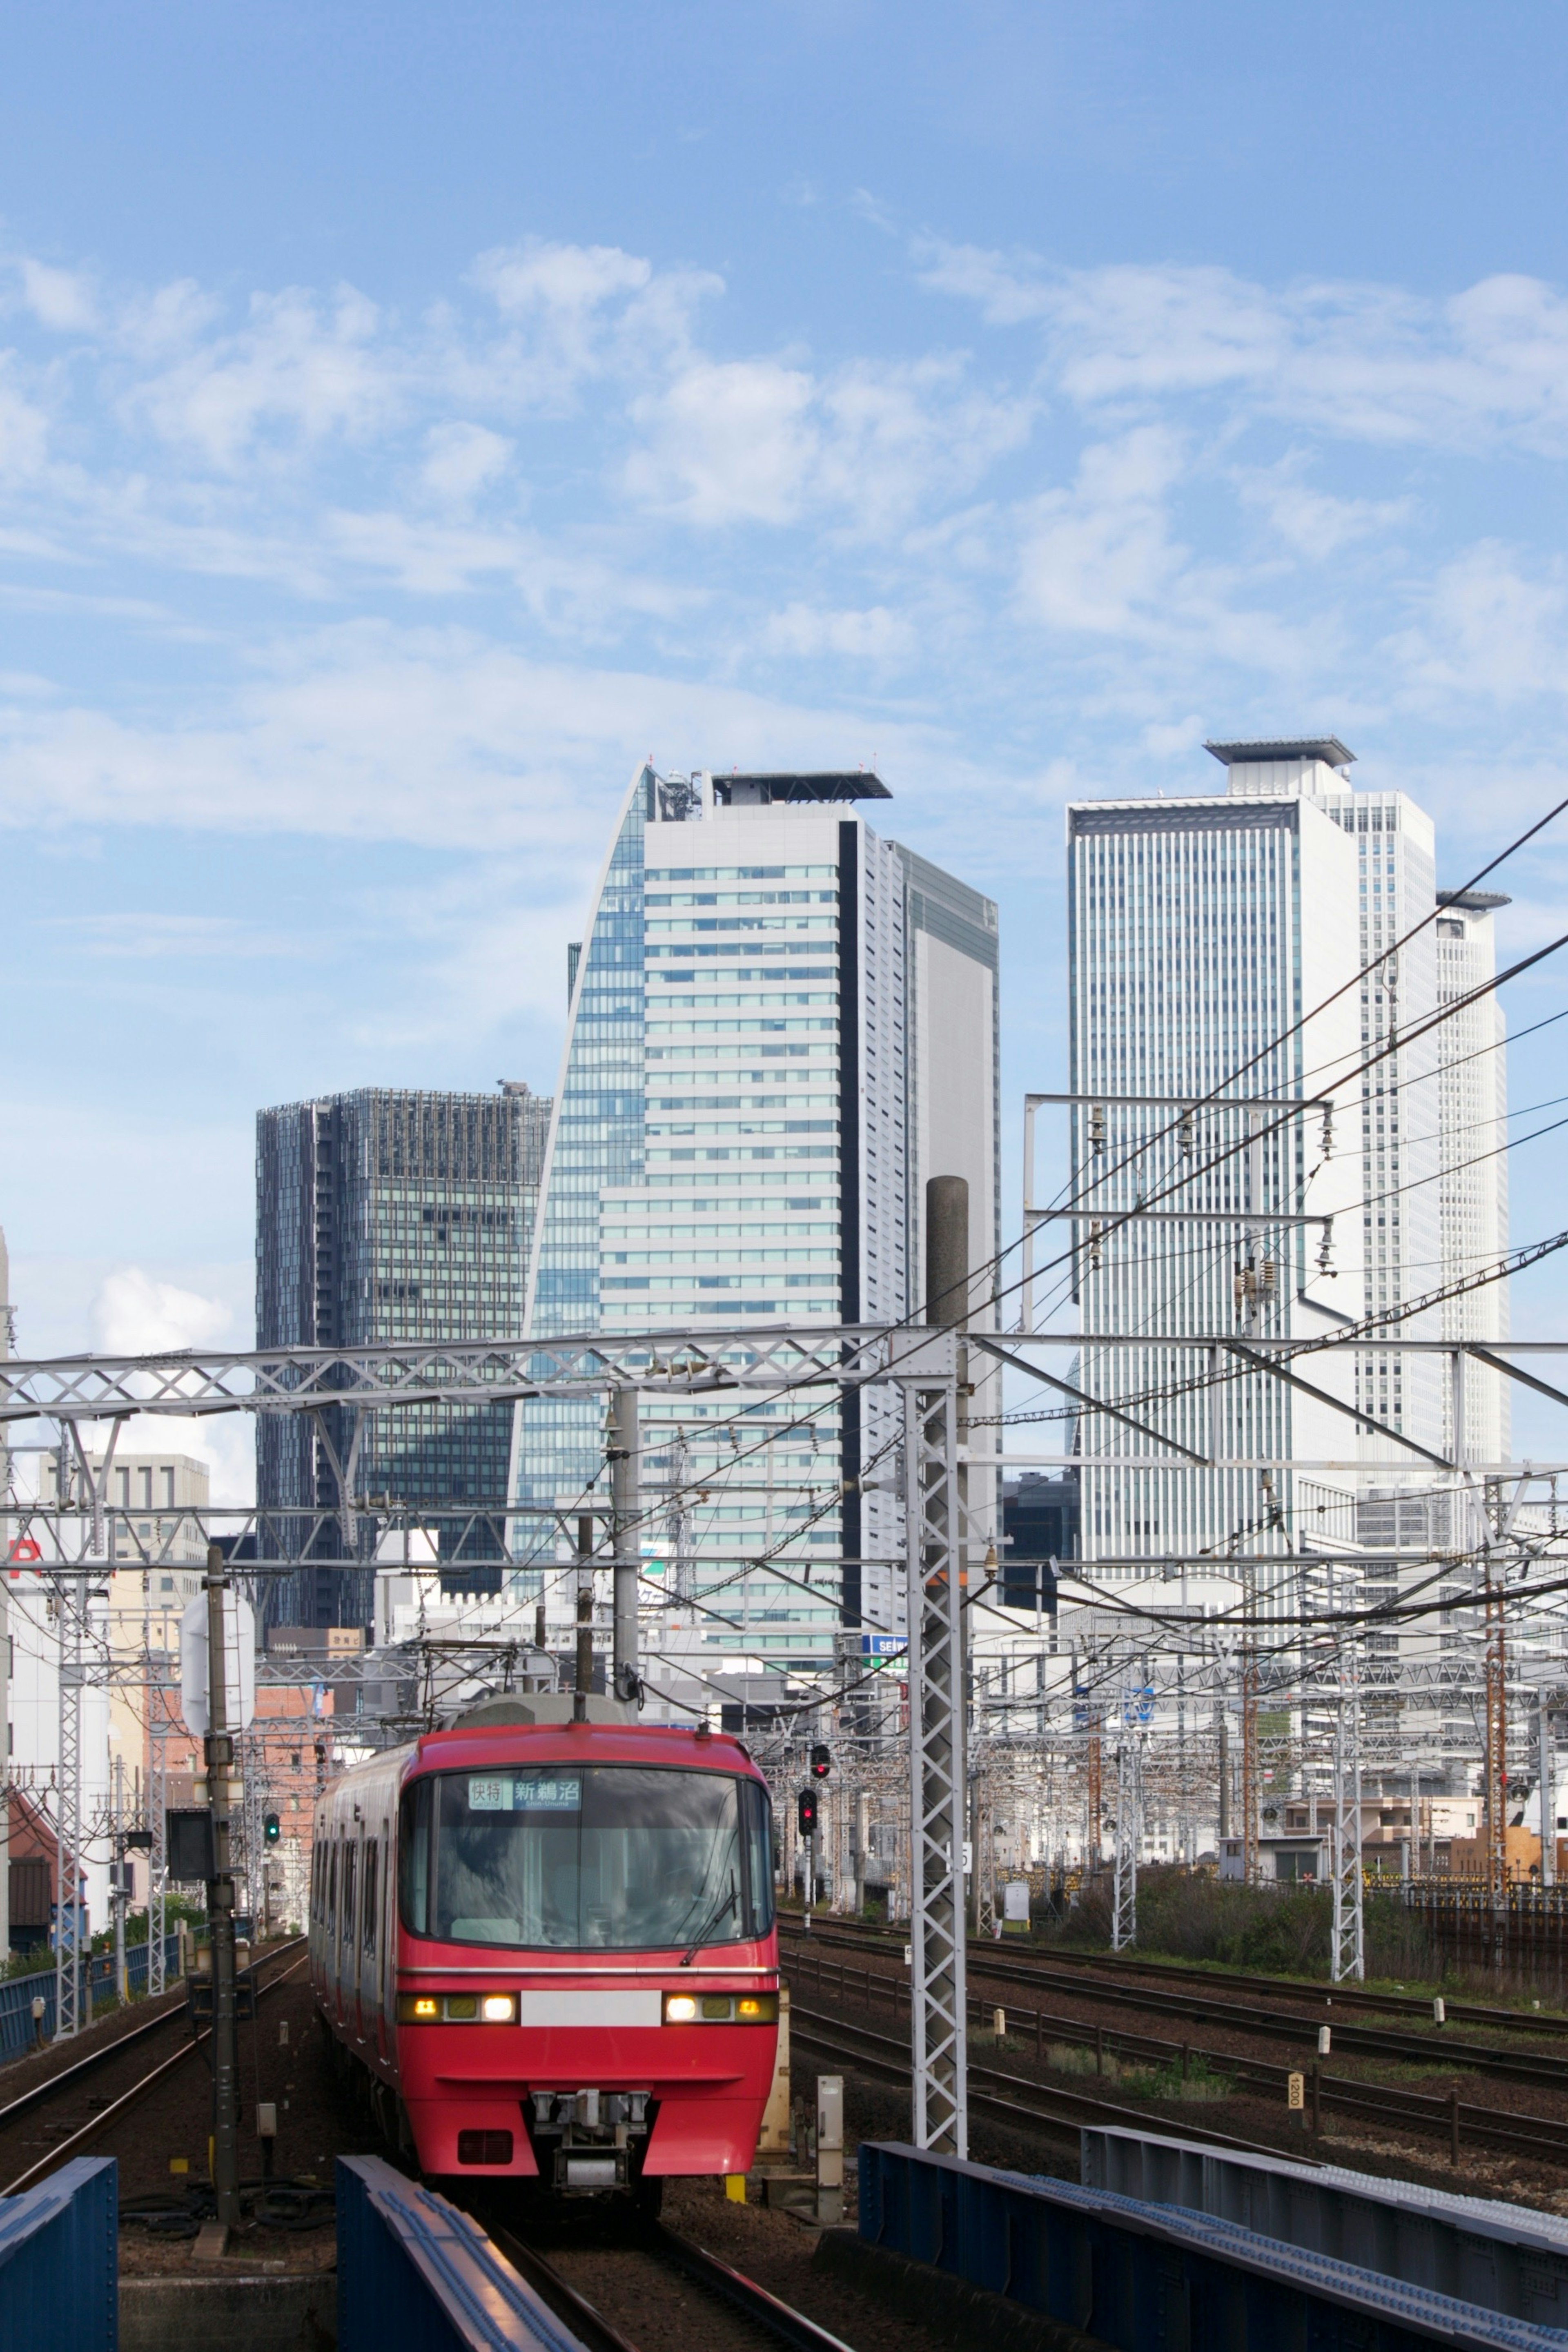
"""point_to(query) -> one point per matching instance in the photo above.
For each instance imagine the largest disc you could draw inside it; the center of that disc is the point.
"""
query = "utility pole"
(220, 1908)
(117, 1894)
(71, 1983)
(625, 1544)
(155, 1691)
(1096, 1841)
(935, 1419)
(1347, 1951)
(1496, 1752)
(1250, 1795)
(584, 1677)
(1546, 1780)
(1129, 1815)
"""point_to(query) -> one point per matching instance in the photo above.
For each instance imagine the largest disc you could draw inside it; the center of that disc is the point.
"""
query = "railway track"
(1545, 2024)
(54, 2086)
(667, 2250)
(1205, 2009)
(1011, 2099)
(1451, 2119)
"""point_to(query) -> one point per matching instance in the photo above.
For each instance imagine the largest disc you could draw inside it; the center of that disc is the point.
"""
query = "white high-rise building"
(1473, 1081)
(1282, 942)
(1204, 936)
(779, 1024)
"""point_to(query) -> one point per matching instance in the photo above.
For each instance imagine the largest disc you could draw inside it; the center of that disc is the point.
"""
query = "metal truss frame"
(479, 1371)
(71, 1979)
(1347, 1946)
(938, 1811)
(1129, 1824)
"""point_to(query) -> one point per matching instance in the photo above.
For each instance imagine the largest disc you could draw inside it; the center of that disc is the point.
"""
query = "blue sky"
(410, 418)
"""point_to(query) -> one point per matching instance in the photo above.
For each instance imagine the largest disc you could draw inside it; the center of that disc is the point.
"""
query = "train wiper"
(708, 1925)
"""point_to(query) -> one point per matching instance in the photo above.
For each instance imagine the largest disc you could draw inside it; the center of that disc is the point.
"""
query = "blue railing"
(1145, 2277)
(17, 1994)
(416, 2276)
(1505, 2257)
(58, 2260)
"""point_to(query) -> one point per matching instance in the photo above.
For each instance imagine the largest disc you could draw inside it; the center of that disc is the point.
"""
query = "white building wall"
(1200, 932)
(1473, 1084)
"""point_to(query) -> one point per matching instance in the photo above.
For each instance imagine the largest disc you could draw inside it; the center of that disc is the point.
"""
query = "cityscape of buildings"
(1285, 1116)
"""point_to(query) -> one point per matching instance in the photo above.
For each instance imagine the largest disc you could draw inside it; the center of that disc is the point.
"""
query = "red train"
(552, 1949)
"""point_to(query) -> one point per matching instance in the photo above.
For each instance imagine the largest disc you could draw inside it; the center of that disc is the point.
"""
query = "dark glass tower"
(388, 1215)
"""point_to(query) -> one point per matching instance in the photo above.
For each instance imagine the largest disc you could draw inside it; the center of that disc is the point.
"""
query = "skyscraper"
(1473, 1084)
(385, 1214)
(779, 1024)
(1204, 933)
(1202, 930)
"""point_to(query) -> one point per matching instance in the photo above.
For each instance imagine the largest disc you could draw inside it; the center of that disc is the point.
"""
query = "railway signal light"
(271, 1828)
(821, 1763)
(805, 1812)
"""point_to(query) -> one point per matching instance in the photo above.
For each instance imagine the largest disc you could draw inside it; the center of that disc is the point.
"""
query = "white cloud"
(134, 1315)
(805, 630)
(298, 369)
(461, 460)
(1367, 361)
(59, 299)
(760, 441)
(435, 737)
(728, 442)
(567, 282)
(1099, 557)
(1313, 523)
(24, 430)
(1488, 626)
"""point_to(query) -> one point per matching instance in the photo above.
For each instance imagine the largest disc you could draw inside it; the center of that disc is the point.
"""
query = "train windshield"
(599, 1857)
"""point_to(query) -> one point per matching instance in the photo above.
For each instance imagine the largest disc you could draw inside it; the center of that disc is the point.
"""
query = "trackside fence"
(17, 2031)
(416, 2276)
(60, 2267)
(1146, 2278)
(1505, 2257)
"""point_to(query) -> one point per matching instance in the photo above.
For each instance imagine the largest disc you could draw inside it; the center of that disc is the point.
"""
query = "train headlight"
(720, 2009)
(457, 2009)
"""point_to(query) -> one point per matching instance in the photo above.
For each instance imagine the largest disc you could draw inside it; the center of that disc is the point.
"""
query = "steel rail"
(1527, 2135)
(127, 2099)
(42, 2093)
(668, 2247)
(1369, 2041)
(1012, 2098)
(1550, 2024)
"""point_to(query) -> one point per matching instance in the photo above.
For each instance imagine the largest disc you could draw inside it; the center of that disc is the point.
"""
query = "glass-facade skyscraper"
(385, 1214)
(779, 1024)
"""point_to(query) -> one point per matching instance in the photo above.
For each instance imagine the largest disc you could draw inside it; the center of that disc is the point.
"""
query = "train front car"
(588, 1964)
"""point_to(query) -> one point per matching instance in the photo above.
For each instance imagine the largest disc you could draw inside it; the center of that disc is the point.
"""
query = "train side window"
(757, 1815)
(350, 1855)
(331, 1887)
(371, 1858)
(413, 1857)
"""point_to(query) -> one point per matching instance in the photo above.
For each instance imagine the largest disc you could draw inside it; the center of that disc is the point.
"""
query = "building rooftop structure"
(1327, 748)
(1474, 902)
(736, 791)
